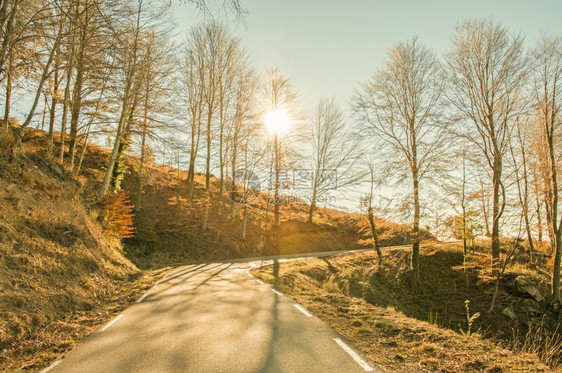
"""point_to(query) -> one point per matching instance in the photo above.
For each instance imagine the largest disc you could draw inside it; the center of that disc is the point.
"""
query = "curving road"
(214, 317)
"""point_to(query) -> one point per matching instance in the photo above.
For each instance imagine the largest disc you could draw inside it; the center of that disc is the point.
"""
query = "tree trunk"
(8, 30)
(208, 160)
(416, 230)
(276, 186)
(549, 224)
(555, 227)
(374, 234)
(311, 209)
(114, 152)
(8, 95)
(191, 171)
(484, 209)
(539, 219)
(83, 152)
(244, 227)
(65, 105)
(75, 113)
(78, 83)
(496, 214)
(143, 152)
(54, 101)
(206, 212)
(313, 199)
(44, 112)
(221, 148)
(44, 77)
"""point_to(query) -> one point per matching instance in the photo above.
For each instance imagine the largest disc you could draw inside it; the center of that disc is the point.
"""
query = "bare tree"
(245, 118)
(128, 44)
(367, 201)
(335, 152)
(213, 8)
(547, 64)
(487, 70)
(214, 68)
(402, 107)
(192, 88)
(155, 74)
(90, 42)
(53, 32)
(518, 148)
(281, 102)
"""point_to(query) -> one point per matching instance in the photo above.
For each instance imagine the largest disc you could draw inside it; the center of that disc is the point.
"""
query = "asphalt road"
(214, 317)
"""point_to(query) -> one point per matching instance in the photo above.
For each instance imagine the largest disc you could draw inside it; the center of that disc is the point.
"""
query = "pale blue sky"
(328, 47)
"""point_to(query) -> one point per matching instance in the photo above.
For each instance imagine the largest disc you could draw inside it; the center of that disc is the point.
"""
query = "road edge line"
(111, 323)
(362, 363)
(301, 308)
(54, 364)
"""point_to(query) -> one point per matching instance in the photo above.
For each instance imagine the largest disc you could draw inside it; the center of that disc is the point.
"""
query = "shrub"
(118, 216)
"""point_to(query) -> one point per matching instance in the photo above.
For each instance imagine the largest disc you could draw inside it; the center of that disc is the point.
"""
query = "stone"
(507, 311)
(526, 286)
(529, 306)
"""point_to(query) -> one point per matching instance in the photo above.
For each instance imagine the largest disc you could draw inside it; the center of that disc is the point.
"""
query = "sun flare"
(277, 121)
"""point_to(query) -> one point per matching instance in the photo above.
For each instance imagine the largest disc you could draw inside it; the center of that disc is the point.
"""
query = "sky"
(328, 48)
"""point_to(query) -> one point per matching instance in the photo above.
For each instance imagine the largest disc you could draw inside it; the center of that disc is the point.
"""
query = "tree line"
(480, 126)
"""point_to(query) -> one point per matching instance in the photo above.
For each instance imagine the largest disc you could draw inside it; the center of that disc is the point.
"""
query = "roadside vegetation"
(445, 324)
(61, 276)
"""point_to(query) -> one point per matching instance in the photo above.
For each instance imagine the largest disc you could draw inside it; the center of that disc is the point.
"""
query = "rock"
(525, 285)
(507, 311)
(529, 306)
(522, 286)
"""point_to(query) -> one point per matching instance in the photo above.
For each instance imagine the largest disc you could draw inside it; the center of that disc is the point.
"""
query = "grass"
(36, 348)
(404, 328)
(60, 277)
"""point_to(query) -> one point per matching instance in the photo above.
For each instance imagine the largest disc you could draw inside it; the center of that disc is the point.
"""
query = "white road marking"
(111, 323)
(260, 281)
(51, 366)
(141, 298)
(354, 355)
(277, 292)
(306, 313)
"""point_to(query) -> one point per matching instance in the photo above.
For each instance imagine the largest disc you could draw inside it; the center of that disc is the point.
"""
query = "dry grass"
(168, 228)
(400, 327)
(60, 277)
(542, 342)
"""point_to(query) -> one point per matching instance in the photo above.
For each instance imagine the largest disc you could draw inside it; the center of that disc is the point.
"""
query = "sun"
(277, 121)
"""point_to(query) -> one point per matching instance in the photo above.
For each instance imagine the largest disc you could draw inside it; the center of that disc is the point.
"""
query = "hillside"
(63, 276)
(406, 328)
(60, 276)
(169, 227)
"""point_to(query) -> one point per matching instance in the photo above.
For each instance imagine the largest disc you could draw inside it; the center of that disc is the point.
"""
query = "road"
(214, 317)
